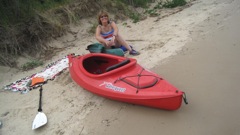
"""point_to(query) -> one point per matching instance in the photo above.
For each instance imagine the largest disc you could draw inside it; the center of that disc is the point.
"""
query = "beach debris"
(106, 122)
(4, 114)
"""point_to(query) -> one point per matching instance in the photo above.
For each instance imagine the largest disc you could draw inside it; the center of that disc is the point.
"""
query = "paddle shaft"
(40, 100)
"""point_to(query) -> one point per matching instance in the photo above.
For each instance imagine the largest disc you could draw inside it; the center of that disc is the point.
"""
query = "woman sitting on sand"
(107, 34)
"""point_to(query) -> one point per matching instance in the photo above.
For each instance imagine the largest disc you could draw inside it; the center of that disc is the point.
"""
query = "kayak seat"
(124, 62)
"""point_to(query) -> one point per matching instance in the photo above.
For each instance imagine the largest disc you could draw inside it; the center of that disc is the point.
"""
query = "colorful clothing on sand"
(49, 73)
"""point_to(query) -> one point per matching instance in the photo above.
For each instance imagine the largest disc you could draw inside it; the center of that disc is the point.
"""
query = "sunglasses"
(104, 16)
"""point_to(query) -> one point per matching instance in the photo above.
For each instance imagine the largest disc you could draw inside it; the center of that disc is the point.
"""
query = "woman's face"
(103, 18)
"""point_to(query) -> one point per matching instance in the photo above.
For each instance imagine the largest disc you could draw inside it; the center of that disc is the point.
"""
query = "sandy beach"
(196, 49)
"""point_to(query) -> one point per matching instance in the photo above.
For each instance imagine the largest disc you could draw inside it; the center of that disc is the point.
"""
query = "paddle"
(41, 118)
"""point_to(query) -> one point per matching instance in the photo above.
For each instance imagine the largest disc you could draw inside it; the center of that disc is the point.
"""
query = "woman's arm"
(114, 26)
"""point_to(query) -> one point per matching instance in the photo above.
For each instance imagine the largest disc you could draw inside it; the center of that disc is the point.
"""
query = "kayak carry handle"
(185, 98)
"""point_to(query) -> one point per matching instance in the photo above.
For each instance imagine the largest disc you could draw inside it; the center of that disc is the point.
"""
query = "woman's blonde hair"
(100, 14)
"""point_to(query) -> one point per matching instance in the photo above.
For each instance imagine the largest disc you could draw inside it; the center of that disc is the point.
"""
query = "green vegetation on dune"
(138, 3)
(15, 11)
(174, 3)
(31, 65)
(26, 26)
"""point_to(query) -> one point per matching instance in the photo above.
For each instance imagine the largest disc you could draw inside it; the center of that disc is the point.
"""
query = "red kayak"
(123, 79)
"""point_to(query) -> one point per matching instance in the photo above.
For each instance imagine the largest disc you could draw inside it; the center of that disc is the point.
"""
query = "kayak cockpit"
(99, 65)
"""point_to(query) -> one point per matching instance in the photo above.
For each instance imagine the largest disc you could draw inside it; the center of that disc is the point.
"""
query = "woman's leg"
(120, 41)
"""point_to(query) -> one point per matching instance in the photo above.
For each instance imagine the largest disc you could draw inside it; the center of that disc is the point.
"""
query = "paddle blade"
(40, 120)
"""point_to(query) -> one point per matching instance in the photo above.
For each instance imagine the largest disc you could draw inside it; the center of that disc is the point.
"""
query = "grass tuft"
(174, 3)
(135, 17)
(31, 65)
